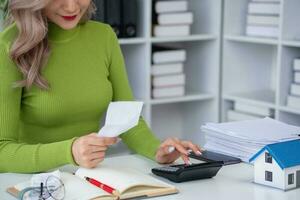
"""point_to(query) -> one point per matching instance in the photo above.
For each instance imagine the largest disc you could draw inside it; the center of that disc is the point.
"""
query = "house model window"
(268, 176)
(291, 179)
(268, 158)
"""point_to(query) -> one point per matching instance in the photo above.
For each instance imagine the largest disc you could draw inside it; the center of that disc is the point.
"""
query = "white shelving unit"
(258, 70)
(179, 117)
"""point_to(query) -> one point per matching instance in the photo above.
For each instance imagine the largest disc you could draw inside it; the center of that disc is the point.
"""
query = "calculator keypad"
(168, 169)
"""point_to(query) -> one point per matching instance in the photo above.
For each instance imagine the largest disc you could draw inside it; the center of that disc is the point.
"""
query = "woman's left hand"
(178, 148)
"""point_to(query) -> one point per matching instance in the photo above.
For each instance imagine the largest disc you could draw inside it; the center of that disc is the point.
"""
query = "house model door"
(298, 178)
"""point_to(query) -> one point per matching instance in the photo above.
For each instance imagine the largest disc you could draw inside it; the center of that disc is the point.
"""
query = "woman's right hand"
(89, 150)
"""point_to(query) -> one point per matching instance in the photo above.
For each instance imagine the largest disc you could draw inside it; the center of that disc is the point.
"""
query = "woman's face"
(66, 13)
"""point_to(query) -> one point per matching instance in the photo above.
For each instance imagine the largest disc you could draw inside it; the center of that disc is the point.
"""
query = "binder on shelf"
(129, 18)
(168, 92)
(262, 31)
(297, 77)
(295, 89)
(171, 30)
(167, 55)
(263, 20)
(169, 68)
(170, 6)
(252, 109)
(297, 64)
(113, 15)
(175, 18)
(99, 15)
(168, 80)
(293, 101)
(264, 8)
(233, 115)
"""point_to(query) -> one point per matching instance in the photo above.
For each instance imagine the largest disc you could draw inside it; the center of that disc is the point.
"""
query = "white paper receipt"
(120, 117)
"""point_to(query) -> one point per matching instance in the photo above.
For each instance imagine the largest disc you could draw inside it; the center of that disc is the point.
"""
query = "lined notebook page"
(77, 188)
(120, 178)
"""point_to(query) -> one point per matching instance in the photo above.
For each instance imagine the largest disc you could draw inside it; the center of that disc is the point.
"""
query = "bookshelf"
(258, 70)
(180, 116)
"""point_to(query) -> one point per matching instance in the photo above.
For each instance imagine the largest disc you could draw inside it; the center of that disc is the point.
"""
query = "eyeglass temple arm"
(22, 192)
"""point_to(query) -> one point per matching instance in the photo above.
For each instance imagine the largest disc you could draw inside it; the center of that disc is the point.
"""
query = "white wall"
(259, 172)
(287, 172)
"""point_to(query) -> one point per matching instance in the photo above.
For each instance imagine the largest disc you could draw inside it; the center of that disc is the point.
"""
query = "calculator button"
(169, 169)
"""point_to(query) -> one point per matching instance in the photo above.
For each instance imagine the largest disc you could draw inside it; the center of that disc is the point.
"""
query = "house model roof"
(286, 154)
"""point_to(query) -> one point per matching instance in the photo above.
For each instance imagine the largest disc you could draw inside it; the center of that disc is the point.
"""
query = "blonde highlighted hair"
(30, 50)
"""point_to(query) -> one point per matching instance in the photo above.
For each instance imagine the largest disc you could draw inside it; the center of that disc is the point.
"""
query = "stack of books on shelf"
(293, 100)
(263, 18)
(245, 111)
(121, 15)
(243, 139)
(168, 78)
(171, 18)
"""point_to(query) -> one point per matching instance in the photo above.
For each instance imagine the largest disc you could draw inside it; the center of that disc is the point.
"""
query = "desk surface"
(231, 183)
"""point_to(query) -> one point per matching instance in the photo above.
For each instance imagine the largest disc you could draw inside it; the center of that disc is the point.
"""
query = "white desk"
(233, 182)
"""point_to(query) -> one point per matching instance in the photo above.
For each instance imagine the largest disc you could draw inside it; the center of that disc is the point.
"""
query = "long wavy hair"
(30, 50)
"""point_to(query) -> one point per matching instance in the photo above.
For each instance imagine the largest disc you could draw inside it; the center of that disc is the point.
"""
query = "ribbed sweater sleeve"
(140, 138)
(15, 156)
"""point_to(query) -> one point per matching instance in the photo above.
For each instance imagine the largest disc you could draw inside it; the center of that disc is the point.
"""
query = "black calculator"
(210, 156)
(182, 172)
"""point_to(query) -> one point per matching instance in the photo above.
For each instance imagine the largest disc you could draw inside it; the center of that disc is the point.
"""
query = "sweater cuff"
(152, 149)
(69, 153)
(55, 154)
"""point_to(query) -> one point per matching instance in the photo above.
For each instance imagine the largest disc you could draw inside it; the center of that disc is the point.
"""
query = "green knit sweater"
(86, 72)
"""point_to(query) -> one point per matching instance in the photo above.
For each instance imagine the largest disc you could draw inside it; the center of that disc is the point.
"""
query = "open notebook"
(129, 183)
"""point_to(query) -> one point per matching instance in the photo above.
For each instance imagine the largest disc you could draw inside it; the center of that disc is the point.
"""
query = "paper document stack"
(248, 111)
(172, 18)
(293, 98)
(243, 139)
(167, 70)
(263, 18)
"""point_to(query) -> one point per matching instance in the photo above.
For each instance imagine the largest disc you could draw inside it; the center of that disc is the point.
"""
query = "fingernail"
(198, 153)
(189, 151)
(171, 149)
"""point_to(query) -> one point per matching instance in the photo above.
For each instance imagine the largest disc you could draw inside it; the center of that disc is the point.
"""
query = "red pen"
(103, 186)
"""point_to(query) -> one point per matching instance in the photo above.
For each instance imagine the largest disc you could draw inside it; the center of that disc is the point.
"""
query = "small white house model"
(278, 165)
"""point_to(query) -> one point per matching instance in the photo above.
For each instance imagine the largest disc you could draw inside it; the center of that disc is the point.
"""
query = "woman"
(58, 73)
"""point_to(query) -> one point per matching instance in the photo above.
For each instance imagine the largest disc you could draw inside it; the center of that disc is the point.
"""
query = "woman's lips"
(69, 18)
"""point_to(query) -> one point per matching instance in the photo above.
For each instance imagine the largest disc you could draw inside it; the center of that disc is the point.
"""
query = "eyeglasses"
(53, 189)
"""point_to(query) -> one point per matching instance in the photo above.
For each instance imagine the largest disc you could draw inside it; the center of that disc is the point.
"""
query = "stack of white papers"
(243, 139)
